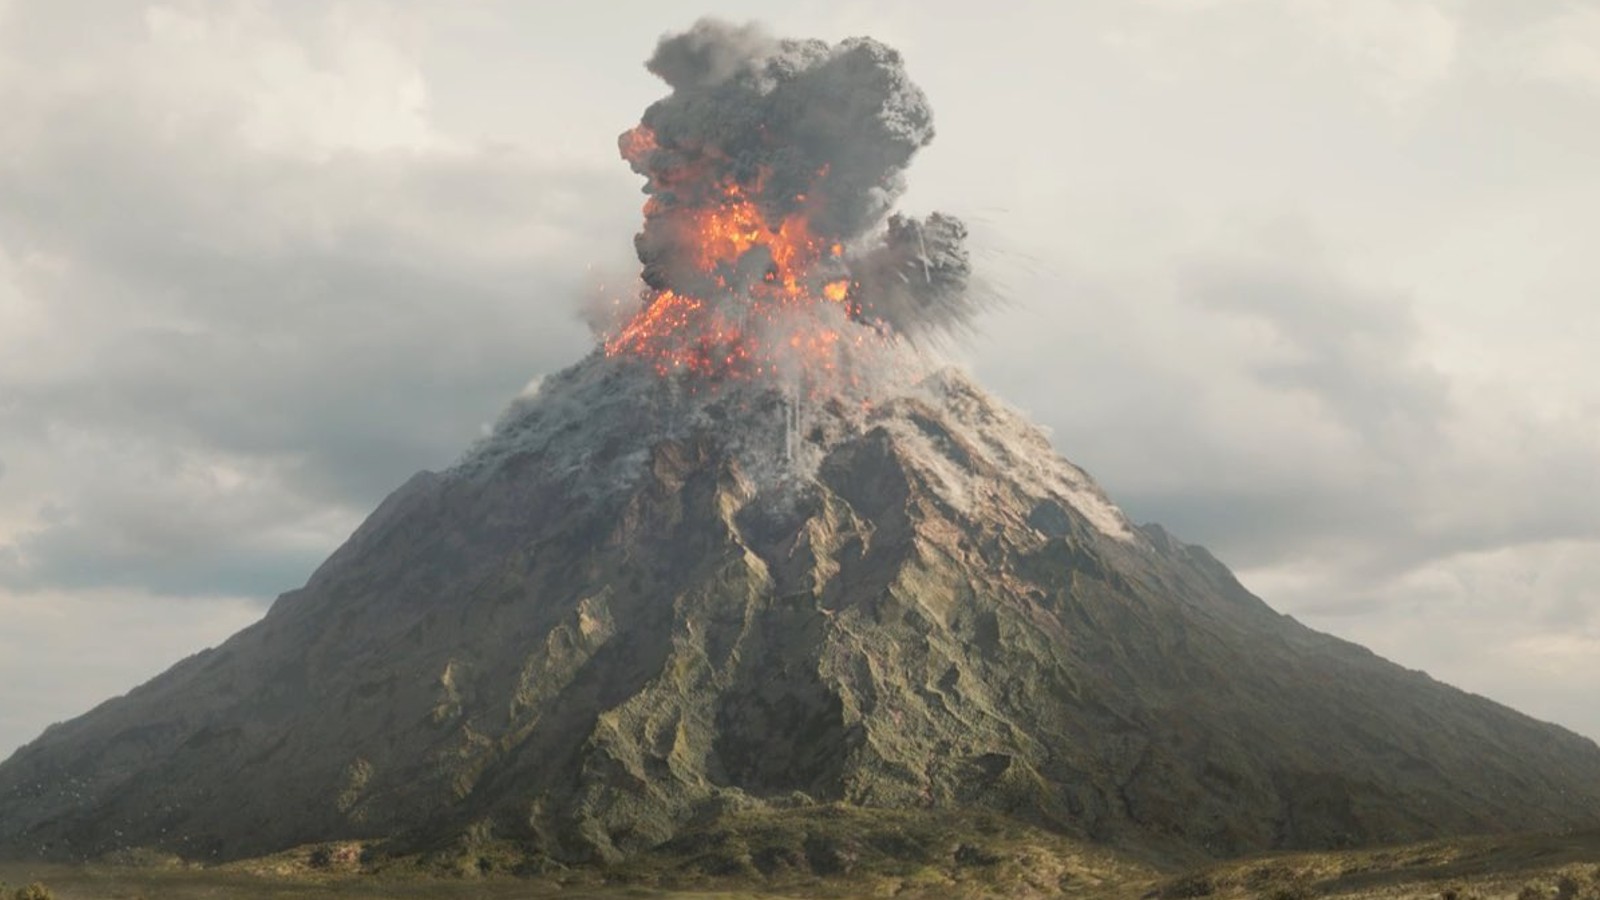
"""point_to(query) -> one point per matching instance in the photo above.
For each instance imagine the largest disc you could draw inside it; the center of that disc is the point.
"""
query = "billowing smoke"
(916, 278)
(772, 168)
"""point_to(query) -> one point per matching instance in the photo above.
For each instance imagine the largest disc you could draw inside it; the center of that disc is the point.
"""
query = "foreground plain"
(892, 855)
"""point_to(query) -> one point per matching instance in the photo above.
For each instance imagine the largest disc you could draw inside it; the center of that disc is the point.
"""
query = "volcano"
(758, 551)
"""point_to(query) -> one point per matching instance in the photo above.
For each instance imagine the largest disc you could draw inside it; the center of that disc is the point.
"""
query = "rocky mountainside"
(634, 608)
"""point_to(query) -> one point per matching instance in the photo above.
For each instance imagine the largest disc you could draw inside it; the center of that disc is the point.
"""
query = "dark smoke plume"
(803, 129)
(917, 278)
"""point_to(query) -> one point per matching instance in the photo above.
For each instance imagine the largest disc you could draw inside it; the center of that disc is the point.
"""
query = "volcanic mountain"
(755, 552)
(619, 615)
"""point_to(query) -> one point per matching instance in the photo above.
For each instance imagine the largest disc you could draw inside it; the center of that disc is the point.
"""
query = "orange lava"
(725, 232)
(637, 143)
(746, 329)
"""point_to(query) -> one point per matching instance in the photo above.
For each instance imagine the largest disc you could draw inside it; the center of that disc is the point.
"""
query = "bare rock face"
(633, 610)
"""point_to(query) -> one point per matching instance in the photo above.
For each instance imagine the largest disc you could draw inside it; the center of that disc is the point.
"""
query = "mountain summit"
(754, 553)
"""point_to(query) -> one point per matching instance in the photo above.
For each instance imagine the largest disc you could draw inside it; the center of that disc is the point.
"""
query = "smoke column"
(769, 244)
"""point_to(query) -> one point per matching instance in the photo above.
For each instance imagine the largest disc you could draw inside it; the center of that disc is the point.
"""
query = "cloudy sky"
(1311, 282)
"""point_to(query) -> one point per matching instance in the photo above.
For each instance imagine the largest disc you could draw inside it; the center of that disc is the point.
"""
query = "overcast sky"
(1311, 282)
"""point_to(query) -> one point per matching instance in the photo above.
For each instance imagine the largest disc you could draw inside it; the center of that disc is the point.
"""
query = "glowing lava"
(775, 295)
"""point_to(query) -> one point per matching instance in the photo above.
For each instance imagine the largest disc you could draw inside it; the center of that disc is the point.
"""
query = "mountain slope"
(626, 612)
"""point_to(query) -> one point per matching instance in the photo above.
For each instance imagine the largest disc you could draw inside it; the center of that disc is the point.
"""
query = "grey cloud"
(115, 641)
(1322, 439)
(1354, 347)
(96, 555)
(1358, 357)
(331, 325)
(1518, 624)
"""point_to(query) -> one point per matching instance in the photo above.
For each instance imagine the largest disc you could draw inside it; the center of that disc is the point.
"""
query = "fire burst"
(771, 297)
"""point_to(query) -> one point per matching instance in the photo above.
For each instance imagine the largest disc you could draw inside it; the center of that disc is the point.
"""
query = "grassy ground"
(1524, 867)
(882, 854)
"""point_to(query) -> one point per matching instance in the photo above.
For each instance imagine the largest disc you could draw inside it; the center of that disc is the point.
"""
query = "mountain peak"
(635, 605)
(598, 421)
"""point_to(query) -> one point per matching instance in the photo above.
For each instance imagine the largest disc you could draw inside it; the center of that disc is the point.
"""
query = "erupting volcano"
(769, 249)
(665, 595)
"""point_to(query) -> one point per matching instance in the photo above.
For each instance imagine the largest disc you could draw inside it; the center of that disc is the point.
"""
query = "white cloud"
(1560, 655)
(1563, 49)
(1396, 50)
(347, 83)
(1194, 6)
(1400, 49)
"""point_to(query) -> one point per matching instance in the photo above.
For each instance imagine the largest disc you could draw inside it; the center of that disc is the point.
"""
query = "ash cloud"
(805, 129)
(917, 279)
